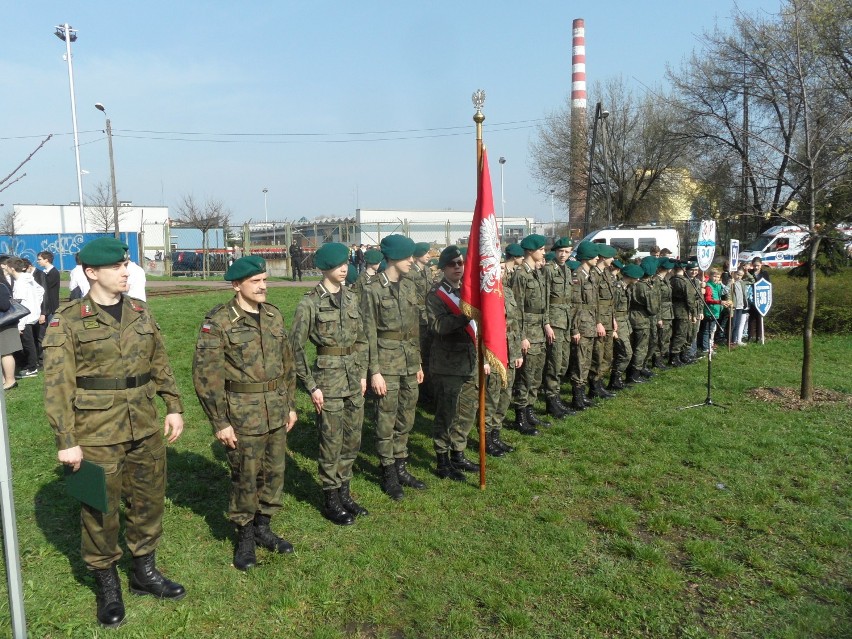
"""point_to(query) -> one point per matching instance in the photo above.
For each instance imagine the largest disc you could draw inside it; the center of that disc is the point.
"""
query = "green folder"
(87, 485)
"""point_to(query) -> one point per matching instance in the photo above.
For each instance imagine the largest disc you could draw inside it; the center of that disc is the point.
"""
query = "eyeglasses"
(456, 263)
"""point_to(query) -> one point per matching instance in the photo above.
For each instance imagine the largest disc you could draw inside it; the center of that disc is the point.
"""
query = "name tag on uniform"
(90, 324)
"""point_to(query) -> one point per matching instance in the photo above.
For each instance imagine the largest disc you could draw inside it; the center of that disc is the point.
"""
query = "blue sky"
(290, 96)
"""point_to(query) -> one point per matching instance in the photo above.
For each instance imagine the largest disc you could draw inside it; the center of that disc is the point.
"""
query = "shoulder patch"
(86, 309)
(54, 321)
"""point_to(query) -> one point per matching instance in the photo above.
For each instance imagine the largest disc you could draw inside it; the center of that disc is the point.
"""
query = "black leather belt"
(334, 350)
(251, 387)
(113, 383)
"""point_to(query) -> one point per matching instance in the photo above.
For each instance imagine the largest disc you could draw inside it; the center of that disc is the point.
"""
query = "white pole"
(67, 29)
(502, 205)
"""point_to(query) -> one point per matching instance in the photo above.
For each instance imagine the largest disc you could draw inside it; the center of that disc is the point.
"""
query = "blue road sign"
(763, 296)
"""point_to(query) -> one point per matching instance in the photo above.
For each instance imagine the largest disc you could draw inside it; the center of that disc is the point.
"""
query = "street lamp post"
(502, 161)
(100, 107)
(68, 35)
(604, 116)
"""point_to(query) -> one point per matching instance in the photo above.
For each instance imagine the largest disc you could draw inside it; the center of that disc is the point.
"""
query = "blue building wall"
(62, 245)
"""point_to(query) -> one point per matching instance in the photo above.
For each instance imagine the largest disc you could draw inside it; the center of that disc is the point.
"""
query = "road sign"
(706, 246)
(763, 296)
(734, 254)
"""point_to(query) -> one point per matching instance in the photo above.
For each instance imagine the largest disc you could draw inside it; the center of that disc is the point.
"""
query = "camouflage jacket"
(665, 289)
(644, 305)
(513, 320)
(84, 341)
(557, 281)
(422, 279)
(681, 297)
(621, 307)
(233, 348)
(605, 281)
(654, 285)
(453, 351)
(333, 324)
(361, 283)
(392, 326)
(531, 296)
(697, 306)
(585, 304)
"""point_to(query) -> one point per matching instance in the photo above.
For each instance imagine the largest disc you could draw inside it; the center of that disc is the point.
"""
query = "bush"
(789, 300)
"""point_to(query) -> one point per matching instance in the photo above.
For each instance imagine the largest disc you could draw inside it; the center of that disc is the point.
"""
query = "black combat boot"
(658, 363)
(615, 381)
(460, 462)
(390, 482)
(495, 436)
(564, 406)
(145, 579)
(577, 398)
(553, 407)
(447, 470)
(674, 361)
(352, 506)
(634, 377)
(406, 478)
(647, 373)
(535, 420)
(110, 604)
(491, 447)
(333, 510)
(521, 424)
(596, 389)
(244, 555)
(265, 538)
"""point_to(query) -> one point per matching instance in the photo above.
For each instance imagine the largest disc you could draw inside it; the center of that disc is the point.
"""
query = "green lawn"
(632, 519)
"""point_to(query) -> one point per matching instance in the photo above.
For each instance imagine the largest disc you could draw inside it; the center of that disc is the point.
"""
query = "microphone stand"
(709, 400)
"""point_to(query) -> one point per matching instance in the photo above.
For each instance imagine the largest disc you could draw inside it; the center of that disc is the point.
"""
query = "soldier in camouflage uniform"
(584, 323)
(421, 275)
(557, 324)
(454, 366)
(391, 312)
(602, 349)
(664, 333)
(514, 258)
(651, 358)
(244, 379)
(372, 259)
(329, 316)
(104, 361)
(696, 308)
(530, 293)
(622, 350)
(644, 306)
(681, 290)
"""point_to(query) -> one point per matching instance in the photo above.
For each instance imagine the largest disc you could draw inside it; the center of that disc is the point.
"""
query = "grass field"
(632, 519)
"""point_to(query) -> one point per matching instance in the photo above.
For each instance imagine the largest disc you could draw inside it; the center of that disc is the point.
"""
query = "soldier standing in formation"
(664, 335)
(391, 310)
(453, 364)
(244, 379)
(421, 275)
(329, 316)
(585, 326)
(682, 312)
(644, 306)
(372, 259)
(622, 350)
(104, 362)
(602, 349)
(557, 325)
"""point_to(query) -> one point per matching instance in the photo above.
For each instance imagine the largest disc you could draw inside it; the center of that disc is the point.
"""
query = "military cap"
(382, 266)
(397, 247)
(421, 248)
(463, 251)
(618, 264)
(562, 242)
(433, 261)
(573, 264)
(351, 274)
(331, 255)
(633, 270)
(691, 265)
(533, 242)
(606, 251)
(586, 251)
(649, 265)
(448, 255)
(247, 266)
(514, 250)
(666, 263)
(103, 251)
(549, 256)
(373, 256)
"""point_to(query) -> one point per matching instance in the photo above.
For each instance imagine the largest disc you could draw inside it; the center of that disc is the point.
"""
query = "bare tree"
(99, 209)
(5, 182)
(9, 223)
(204, 217)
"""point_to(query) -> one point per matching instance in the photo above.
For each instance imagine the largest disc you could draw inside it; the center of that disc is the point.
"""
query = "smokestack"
(579, 143)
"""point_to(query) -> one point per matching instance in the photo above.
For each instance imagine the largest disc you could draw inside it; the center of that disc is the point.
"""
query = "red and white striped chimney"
(578, 64)
(579, 143)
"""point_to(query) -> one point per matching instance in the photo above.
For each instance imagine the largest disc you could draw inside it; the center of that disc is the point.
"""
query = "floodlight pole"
(68, 35)
(101, 107)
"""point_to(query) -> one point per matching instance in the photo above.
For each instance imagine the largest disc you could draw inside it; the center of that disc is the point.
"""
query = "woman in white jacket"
(30, 294)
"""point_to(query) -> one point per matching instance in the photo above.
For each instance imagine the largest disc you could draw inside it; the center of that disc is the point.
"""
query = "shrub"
(789, 300)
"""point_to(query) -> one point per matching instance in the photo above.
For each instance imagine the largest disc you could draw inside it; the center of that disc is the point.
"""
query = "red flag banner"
(482, 287)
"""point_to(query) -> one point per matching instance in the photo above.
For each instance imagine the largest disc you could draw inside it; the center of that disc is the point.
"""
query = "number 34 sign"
(706, 244)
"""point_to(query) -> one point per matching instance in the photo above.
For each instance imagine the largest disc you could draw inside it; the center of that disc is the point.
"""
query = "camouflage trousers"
(339, 425)
(680, 336)
(257, 475)
(528, 377)
(622, 349)
(664, 339)
(135, 473)
(558, 355)
(640, 339)
(693, 336)
(456, 401)
(653, 343)
(601, 357)
(497, 399)
(396, 413)
(581, 360)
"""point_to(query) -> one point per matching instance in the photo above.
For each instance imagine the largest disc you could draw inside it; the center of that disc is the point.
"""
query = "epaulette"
(213, 311)
(64, 306)
(135, 305)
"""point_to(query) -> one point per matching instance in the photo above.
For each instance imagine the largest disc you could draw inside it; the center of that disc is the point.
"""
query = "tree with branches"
(99, 209)
(207, 216)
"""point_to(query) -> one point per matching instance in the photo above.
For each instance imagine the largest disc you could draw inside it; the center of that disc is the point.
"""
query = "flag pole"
(479, 118)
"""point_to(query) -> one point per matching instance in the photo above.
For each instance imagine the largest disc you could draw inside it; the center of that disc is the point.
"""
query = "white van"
(777, 247)
(638, 238)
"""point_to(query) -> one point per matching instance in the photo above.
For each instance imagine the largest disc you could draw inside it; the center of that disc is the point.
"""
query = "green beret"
(421, 248)
(666, 263)
(649, 265)
(691, 265)
(533, 242)
(463, 251)
(382, 266)
(373, 256)
(573, 264)
(618, 264)
(448, 255)
(606, 251)
(549, 256)
(433, 261)
(633, 270)
(397, 247)
(514, 250)
(247, 266)
(586, 251)
(351, 274)
(103, 252)
(562, 242)
(331, 255)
